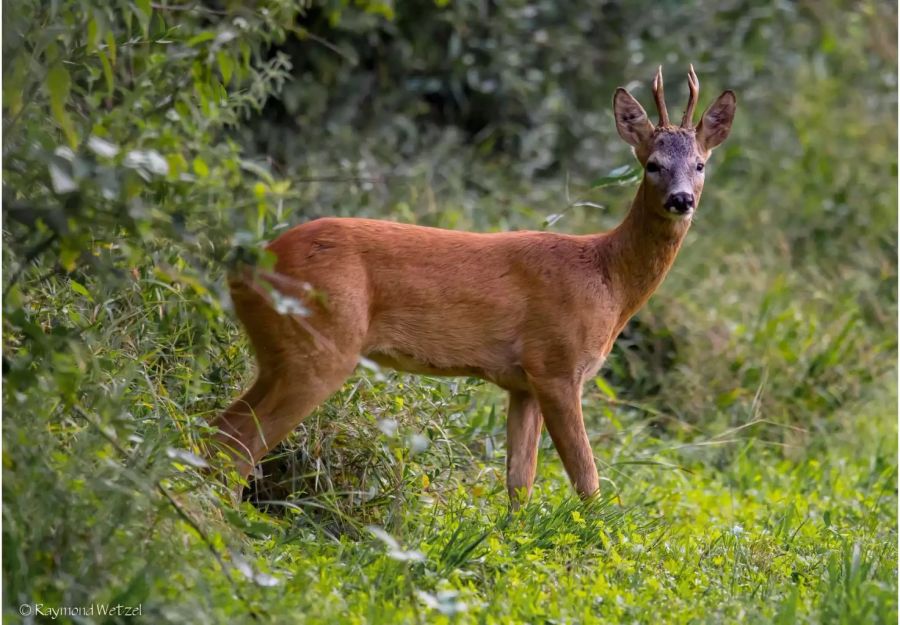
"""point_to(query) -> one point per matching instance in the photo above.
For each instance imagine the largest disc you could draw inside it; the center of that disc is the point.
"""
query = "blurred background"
(143, 142)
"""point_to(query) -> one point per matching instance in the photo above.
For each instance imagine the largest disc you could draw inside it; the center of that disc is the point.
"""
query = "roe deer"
(534, 312)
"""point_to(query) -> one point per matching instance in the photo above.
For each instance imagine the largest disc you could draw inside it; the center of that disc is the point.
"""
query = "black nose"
(680, 203)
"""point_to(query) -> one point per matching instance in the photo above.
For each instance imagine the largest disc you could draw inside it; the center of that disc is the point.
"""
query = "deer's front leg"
(523, 433)
(560, 401)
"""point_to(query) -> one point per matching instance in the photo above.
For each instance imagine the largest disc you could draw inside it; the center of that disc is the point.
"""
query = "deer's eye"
(652, 167)
(700, 166)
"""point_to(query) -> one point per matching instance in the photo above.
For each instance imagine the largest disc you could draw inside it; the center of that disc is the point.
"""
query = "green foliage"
(744, 426)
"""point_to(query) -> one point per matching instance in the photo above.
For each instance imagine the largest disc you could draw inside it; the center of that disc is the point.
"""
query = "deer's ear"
(716, 122)
(631, 118)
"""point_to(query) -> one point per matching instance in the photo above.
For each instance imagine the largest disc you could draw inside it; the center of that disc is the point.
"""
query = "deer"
(534, 312)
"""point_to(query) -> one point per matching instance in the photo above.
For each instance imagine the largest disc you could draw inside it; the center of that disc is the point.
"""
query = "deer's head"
(673, 157)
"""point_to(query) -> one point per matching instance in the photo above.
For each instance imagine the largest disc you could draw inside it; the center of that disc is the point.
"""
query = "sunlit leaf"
(604, 387)
(187, 457)
(201, 38)
(58, 84)
(226, 66)
(200, 167)
(102, 147)
(626, 174)
(69, 252)
(144, 12)
(107, 72)
(61, 179)
(92, 35)
(80, 289)
(111, 46)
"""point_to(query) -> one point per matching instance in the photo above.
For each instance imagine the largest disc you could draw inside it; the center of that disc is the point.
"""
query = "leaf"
(626, 174)
(145, 7)
(226, 66)
(201, 38)
(186, 457)
(552, 219)
(445, 602)
(200, 167)
(111, 46)
(92, 35)
(258, 169)
(61, 180)
(383, 536)
(418, 443)
(102, 147)
(13, 86)
(286, 305)
(59, 84)
(80, 289)
(177, 164)
(157, 25)
(394, 550)
(388, 426)
(605, 388)
(107, 72)
(259, 578)
(265, 580)
(69, 252)
(149, 161)
(144, 13)
(224, 37)
(244, 47)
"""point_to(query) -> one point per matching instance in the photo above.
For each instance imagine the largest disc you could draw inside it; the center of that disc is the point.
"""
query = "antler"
(687, 121)
(660, 98)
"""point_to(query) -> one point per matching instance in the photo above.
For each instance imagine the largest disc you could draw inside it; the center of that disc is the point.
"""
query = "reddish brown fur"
(534, 312)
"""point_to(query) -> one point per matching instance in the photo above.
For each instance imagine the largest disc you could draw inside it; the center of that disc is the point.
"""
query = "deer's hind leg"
(301, 362)
(276, 403)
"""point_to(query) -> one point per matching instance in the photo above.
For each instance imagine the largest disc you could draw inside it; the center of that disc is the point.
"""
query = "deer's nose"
(680, 203)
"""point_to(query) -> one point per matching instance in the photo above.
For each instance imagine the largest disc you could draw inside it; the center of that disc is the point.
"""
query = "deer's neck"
(637, 255)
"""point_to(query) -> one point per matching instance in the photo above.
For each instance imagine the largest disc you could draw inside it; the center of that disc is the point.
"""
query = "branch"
(186, 7)
(30, 255)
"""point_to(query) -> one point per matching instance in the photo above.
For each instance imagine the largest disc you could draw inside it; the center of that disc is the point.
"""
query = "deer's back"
(443, 301)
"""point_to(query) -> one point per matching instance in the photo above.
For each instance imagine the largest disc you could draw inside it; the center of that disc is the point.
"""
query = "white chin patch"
(674, 214)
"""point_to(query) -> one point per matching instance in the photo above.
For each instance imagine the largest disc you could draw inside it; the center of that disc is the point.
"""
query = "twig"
(186, 7)
(303, 33)
(30, 255)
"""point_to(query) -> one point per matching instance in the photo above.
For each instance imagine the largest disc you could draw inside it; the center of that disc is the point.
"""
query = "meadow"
(745, 426)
